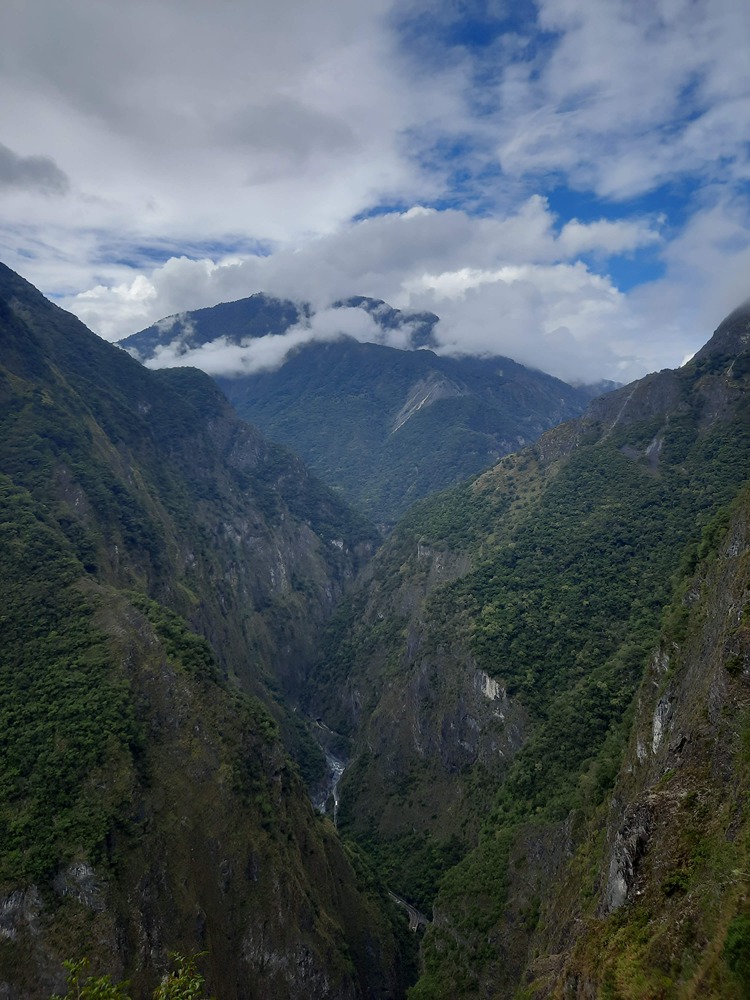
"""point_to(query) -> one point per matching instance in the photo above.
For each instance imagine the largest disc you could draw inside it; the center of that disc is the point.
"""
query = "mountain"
(263, 315)
(413, 421)
(165, 573)
(576, 613)
(538, 688)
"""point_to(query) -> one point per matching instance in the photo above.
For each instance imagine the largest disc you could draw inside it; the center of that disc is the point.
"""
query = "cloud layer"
(565, 182)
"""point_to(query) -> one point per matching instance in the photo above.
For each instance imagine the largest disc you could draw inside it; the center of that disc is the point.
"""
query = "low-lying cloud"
(510, 286)
(275, 124)
(222, 357)
(514, 286)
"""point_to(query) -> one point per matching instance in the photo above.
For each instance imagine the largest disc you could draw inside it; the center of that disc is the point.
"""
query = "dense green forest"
(163, 570)
(538, 687)
(569, 558)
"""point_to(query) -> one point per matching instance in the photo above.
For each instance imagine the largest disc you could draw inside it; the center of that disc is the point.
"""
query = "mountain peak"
(261, 315)
(255, 316)
(731, 338)
(422, 323)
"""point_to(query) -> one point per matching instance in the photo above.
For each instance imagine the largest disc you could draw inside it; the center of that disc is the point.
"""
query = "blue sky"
(562, 181)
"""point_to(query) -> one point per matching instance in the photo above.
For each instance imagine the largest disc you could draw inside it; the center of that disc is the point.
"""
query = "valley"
(384, 422)
(521, 713)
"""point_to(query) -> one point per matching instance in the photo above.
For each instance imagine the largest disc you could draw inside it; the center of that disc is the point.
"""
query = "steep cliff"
(489, 708)
(162, 565)
(666, 909)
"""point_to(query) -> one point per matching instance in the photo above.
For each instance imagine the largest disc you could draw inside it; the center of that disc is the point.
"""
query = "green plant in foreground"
(185, 983)
(83, 987)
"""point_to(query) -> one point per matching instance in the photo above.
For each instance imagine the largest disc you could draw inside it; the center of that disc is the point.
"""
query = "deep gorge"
(538, 683)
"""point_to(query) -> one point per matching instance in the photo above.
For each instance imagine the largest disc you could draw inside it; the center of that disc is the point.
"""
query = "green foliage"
(90, 987)
(383, 463)
(736, 950)
(571, 567)
(181, 643)
(184, 983)
(63, 710)
(128, 520)
(414, 864)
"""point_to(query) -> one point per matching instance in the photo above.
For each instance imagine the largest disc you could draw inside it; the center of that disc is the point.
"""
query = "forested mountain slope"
(541, 685)
(384, 426)
(485, 672)
(163, 568)
(664, 911)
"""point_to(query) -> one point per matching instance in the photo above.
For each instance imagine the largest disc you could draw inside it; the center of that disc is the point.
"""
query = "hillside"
(384, 426)
(164, 574)
(485, 671)
(538, 685)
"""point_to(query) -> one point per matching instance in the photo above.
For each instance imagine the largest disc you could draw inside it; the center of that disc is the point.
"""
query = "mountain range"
(384, 425)
(538, 688)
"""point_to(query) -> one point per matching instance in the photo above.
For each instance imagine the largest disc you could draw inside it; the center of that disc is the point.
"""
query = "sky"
(565, 182)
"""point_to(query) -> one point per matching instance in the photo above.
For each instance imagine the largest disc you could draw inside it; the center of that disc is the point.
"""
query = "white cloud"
(630, 95)
(178, 136)
(176, 117)
(221, 357)
(546, 316)
(507, 286)
(707, 275)
(606, 237)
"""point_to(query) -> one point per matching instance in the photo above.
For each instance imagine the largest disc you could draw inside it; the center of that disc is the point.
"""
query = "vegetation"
(573, 561)
(184, 983)
(478, 408)
(161, 565)
(154, 552)
(684, 929)
(64, 711)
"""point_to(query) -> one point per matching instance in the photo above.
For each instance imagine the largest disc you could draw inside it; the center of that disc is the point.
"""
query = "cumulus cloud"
(627, 96)
(707, 274)
(508, 286)
(552, 317)
(175, 118)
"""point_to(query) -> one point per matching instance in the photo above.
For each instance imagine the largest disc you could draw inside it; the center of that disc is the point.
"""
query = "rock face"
(164, 574)
(541, 685)
(676, 848)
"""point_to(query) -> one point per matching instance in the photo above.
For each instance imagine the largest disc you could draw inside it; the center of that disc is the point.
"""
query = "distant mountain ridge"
(538, 689)
(262, 315)
(383, 425)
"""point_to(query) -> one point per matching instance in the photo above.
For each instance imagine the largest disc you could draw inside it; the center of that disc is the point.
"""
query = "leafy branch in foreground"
(185, 983)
